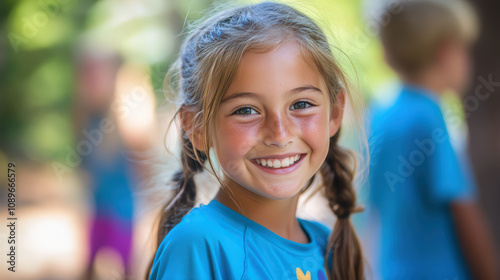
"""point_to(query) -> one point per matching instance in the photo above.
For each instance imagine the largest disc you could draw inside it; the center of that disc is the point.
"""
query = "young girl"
(262, 90)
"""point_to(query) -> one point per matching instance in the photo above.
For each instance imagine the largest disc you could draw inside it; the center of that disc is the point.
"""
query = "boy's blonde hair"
(412, 35)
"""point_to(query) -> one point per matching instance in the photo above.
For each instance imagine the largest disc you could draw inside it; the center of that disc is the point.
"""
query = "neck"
(279, 216)
(429, 81)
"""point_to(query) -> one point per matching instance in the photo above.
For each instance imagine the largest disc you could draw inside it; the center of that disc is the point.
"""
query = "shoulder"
(419, 106)
(411, 115)
(428, 120)
(198, 228)
(198, 247)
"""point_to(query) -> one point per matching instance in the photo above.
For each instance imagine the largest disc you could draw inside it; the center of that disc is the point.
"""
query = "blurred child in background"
(421, 192)
(110, 173)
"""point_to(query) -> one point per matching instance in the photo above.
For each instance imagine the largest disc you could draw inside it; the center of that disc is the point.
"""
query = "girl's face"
(276, 113)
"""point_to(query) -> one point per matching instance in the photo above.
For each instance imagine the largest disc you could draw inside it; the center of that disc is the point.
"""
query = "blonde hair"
(413, 34)
(202, 74)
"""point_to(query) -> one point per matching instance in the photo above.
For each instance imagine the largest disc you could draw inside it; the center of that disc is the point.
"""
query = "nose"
(277, 130)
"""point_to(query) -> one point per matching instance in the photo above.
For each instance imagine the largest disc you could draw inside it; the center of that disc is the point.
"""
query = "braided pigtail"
(185, 197)
(338, 174)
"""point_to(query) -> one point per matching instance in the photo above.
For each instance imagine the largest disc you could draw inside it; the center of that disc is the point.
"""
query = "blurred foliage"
(37, 75)
(39, 38)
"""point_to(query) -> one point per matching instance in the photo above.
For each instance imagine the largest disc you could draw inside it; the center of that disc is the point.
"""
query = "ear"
(337, 113)
(441, 52)
(194, 133)
(446, 50)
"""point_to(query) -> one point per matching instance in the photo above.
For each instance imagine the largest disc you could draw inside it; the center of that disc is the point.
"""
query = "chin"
(279, 191)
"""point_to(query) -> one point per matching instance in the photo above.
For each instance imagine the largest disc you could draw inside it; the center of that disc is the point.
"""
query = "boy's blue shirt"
(215, 242)
(414, 175)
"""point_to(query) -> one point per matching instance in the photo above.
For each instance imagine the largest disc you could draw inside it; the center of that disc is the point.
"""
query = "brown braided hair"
(185, 196)
(338, 174)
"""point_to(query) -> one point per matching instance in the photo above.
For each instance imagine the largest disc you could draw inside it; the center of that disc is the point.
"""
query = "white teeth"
(278, 163)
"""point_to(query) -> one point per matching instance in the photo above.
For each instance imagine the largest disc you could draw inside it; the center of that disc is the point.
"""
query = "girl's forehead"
(286, 65)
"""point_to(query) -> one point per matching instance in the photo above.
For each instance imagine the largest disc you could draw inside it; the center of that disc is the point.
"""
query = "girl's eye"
(300, 105)
(244, 111)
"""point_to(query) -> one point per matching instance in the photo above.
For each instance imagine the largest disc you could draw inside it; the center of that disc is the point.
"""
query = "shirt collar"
(423, 91)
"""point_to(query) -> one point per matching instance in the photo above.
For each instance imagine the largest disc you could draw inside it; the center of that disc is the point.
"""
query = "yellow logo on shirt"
(301, 276)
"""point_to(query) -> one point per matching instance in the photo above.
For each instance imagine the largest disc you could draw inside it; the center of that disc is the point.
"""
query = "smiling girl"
(261, 89)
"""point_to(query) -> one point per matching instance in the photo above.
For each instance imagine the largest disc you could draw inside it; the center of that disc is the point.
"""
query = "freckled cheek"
(314, 131)
(235, 140)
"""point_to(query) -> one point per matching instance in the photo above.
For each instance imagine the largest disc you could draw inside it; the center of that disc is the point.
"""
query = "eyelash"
(247, 107)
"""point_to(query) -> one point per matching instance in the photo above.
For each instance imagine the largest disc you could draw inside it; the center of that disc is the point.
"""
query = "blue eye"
(244, 111)
(300, 105)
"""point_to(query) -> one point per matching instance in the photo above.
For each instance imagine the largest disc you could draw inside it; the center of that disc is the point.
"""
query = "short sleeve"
(449, 177)
(185, 255)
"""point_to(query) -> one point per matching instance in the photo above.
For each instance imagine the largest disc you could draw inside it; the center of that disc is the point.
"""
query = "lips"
(294, 161)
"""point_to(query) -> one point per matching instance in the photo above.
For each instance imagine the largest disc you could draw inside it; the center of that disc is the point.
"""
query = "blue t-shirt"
(414, 175)
(215, 242)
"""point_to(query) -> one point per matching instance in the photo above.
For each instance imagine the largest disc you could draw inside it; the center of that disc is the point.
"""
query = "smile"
(278, 163)
(281, 165)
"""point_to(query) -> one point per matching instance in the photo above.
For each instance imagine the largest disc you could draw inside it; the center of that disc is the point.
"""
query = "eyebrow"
(254, 95)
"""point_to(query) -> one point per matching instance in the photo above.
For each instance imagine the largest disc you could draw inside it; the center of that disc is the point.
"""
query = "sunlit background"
(65, 65)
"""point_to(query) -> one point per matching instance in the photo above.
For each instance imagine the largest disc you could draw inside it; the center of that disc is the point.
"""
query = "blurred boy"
(421, 191)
